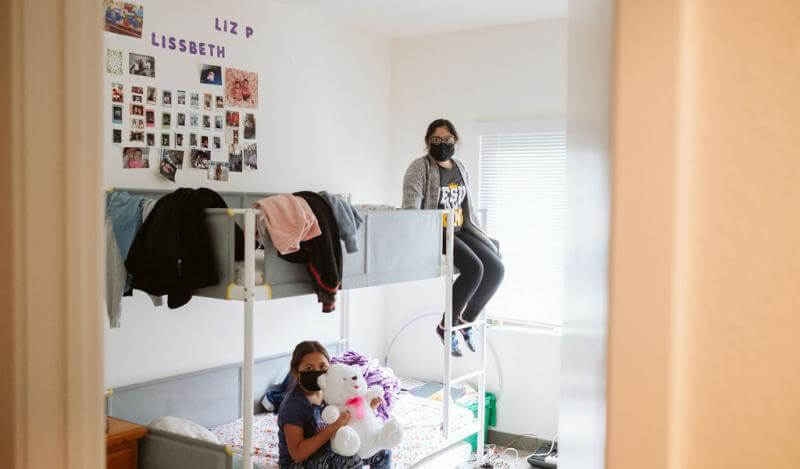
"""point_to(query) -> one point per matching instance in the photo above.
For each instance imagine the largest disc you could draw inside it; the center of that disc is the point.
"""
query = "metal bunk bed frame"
(248, 294)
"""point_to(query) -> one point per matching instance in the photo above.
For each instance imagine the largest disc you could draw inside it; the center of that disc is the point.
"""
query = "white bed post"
(482, 328)
(448, 321)
(247, 366)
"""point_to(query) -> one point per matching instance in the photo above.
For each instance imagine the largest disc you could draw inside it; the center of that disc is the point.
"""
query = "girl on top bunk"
(303, 439)
(437, 180)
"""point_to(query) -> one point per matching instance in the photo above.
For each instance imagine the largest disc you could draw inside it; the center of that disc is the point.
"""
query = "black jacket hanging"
(172, 253)
(323, 254)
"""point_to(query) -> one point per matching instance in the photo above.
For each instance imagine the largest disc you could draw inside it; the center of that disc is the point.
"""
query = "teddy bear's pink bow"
(356, 403)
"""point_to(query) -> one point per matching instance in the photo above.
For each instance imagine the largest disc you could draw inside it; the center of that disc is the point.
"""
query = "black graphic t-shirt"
(452, 193)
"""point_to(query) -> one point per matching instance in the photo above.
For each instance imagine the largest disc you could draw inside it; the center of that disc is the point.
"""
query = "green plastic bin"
(490, 419)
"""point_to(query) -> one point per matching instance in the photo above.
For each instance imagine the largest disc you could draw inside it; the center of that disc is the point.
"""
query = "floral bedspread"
(421, 418)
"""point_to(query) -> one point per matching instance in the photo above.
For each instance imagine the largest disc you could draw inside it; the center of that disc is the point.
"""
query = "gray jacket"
(421, 191)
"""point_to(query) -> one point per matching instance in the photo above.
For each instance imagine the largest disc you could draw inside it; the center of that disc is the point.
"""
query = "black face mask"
(308, 380)
(442, 151)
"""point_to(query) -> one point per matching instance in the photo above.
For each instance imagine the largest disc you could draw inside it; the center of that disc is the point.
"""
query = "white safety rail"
(480, 326)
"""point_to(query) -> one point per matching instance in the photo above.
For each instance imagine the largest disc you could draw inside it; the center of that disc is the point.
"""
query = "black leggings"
(481, 273)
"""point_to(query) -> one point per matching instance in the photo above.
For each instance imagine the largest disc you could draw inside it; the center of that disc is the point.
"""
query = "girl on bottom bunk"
(303, 440)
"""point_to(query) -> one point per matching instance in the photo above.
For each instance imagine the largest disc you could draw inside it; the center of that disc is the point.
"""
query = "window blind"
(523, 188)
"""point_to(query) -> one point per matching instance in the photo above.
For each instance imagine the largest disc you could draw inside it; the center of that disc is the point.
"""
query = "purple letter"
(192, 47)
(216, 24)
(248, 31)
(172, 42)
(233, 27)
(153, 39)
(221, 52)
(182, 45)
(202, 47)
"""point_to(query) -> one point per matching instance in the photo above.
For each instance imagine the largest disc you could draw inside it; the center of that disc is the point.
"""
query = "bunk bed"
(394, 246)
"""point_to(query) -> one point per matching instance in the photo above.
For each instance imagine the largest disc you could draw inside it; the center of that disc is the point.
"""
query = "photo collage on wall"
(216, 130)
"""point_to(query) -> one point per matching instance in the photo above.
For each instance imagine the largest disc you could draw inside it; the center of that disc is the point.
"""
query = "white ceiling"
(419, 17)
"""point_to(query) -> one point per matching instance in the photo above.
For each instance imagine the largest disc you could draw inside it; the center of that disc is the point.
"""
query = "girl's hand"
(375, 403)
(343, 419)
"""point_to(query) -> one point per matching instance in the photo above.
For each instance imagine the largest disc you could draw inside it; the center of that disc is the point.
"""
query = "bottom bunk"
(211, 400)
(422, 439)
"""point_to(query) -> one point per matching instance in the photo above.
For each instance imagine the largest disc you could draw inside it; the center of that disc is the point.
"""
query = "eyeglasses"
(439, 140)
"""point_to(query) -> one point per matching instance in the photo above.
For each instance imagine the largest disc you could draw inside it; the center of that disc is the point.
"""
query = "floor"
(506, 461)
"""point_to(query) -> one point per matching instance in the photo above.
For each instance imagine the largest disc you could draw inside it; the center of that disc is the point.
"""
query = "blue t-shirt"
(297, 410)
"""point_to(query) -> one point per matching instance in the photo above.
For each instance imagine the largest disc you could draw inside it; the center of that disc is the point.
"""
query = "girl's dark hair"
(304, 348)
(440, 123)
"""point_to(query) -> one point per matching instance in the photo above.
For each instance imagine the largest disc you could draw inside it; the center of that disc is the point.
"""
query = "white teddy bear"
(344, 388)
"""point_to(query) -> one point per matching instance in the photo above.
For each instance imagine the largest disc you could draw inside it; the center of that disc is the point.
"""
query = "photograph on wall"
(181, 120)
(204, 141)
(136, 98)
(218, 120)
(114, 63)
(171, 162)
(123, 18)
(137, 110)
(151, 95)
(194, 99)
(232, 136)
(200, 158)
(178, 140)
(180, 98)
(165, 138)
(166, 120)
(135, 158)
(175, 157)
(220, 102)
(235, 158)
(192, 139)
(116, 114)
(249, 126)
(211, 75)
(218, 171)
(116, 135)
(117, 93)
(194, 119)
(217, 143)
(207, 97)
(232, 119)
(166, 98)
(151, 140)
(136, 136)
(250, 156)
(142, 65)
(206, 121)
(137, 123)
(241, 88)
(150, 117)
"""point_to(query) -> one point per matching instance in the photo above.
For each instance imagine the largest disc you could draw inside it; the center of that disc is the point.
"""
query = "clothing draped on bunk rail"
(288, 219)
(172, 253)
(347, 220)
(322, 254)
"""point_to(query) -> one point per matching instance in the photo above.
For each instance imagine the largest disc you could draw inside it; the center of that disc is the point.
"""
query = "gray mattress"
(394, 246)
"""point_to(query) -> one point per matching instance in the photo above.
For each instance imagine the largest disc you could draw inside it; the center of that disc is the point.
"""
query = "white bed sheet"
(422, 421)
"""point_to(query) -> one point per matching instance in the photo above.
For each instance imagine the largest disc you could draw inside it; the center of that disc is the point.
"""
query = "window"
(522, 187)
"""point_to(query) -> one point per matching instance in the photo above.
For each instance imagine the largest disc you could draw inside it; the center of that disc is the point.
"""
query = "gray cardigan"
(421, 191)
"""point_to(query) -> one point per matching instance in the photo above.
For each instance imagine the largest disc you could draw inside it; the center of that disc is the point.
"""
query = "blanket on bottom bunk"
(421, 418)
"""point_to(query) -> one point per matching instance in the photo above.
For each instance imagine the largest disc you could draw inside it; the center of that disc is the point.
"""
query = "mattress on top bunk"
(421, 418)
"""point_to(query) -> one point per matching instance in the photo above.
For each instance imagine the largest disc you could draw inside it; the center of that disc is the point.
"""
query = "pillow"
(184, 427)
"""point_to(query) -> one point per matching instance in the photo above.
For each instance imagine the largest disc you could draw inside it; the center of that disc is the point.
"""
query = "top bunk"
(393, 246)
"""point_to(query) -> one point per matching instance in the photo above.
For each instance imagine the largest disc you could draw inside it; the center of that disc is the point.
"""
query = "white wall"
(322, 123)
(503, 73)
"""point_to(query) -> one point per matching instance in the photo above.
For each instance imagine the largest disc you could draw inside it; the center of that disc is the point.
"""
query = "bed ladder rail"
(480, 325)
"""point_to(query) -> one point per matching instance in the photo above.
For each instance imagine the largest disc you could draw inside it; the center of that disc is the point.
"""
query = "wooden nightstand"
(122, 444)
